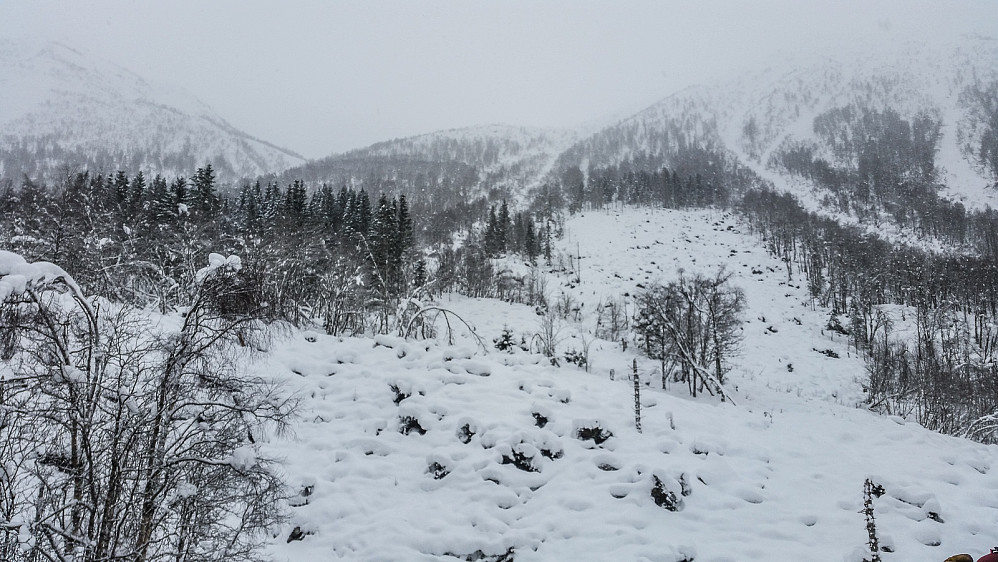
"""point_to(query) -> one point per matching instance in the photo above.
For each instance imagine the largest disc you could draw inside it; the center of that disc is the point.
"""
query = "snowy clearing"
(413, 450)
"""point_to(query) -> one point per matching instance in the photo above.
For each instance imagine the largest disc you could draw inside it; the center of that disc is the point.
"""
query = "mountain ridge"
(752, 120)
(72, 110)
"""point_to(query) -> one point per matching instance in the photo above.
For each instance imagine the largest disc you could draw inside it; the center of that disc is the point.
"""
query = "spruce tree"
(530, 244)
(491, 237)
(547, 242)
(383, 240)
(181, 194)
(162, 208)
(363, 212)
(271, 208)
(295, 205)
(250, 206)
(136, 195)
(405, 231)
(98, 193)
(503, 227)
(326, 209)
(204, 197)
(119, 192)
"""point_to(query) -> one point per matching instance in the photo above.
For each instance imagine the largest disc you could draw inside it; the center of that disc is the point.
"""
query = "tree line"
(946, 374)
(142, 441)
(339, 256)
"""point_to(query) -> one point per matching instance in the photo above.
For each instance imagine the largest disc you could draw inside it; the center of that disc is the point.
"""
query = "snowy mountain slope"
(491, 157)
(766, 111)
(778, 473)
(751, 120)
(60, 108)
(915, 80)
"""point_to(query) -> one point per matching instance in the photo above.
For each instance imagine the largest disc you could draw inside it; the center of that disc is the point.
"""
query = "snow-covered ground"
(776, 475)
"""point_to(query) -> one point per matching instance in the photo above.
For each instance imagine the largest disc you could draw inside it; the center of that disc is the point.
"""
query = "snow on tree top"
(16, 274)
(216, 262)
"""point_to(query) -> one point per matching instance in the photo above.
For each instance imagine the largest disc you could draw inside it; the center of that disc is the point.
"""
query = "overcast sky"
(321, 76)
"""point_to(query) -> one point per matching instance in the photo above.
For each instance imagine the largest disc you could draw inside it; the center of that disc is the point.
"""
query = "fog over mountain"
(63, 111)
(322, 78)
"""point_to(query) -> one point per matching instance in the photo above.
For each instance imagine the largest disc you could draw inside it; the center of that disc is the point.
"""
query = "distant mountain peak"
(62, 109)
(756, 115)
(450, 165)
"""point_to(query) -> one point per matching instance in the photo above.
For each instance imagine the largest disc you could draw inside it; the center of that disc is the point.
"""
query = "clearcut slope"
(779, 473)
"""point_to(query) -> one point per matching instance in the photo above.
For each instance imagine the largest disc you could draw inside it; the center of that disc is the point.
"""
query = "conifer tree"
(531, 247)
(362, 213)
(547, 242)
(181, 193)
(119, 192)
(98, 193)
(250, 205)
(503, 227)
(492, 240)
(383, 240)
(206, 202)
(295, 205)
(271, 211)
(162, 207)
(136, 195)
(405, 231)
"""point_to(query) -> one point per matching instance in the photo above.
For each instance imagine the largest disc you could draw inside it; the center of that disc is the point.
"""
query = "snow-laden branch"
(445, 312)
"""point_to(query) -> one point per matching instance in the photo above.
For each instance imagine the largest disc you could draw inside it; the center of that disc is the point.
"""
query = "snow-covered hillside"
(61, 109)
(475, 159)
(756, 115)
(751, 120)
(425, 450)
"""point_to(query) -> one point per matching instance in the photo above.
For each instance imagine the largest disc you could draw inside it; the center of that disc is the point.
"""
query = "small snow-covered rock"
(928, 533)
(479, 368)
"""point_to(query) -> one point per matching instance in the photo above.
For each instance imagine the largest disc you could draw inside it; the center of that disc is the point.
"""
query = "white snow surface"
(776, 475)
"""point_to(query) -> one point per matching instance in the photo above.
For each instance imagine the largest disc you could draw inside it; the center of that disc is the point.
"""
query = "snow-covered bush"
(693, 326)
(578, 358)
(591, 430)
(125, 437)
(506, 341)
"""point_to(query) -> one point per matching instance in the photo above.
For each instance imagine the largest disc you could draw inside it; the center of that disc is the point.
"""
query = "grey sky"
(323, 76)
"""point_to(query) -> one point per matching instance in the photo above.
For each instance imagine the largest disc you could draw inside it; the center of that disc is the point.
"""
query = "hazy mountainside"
(830, 130)
(796, 123)
(939, 101)
(451, 165)
(62, 110)
(654, 134)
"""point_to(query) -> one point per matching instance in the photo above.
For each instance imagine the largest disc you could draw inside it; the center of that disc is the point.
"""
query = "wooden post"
(637, 397)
